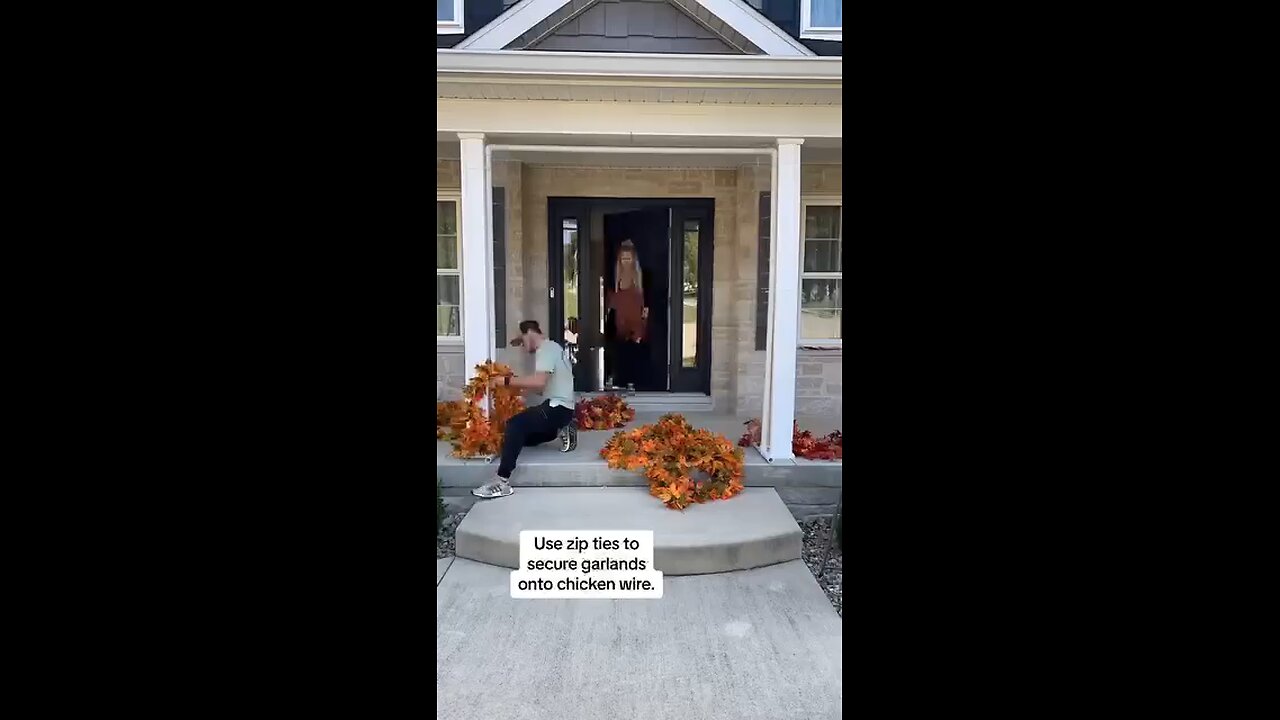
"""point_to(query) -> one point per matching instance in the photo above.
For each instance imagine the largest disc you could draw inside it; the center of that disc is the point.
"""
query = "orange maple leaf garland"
(451, 417)
(803, 443)
(473, 434)
(604, 412)
(670, 452)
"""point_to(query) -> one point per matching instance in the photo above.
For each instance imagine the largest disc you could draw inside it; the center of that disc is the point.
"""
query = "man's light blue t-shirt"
(550, 358)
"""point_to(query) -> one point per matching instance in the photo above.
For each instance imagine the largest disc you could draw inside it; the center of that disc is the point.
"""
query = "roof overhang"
(639, 77)
(645, 65)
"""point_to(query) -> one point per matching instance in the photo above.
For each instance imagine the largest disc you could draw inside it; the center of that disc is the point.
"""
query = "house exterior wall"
(450, 370)
(737, 367)
(819, 389)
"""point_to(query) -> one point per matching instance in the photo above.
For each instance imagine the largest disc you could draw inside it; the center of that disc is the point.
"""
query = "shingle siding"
(655, 26)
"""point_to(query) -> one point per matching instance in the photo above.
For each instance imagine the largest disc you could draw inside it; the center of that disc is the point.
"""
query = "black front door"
(673, 241)
(643, 364)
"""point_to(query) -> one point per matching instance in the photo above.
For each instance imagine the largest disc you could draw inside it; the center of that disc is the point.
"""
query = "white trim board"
(521, 17)
(788, 69)
(564, 118)
(808, 32)
(454, 26)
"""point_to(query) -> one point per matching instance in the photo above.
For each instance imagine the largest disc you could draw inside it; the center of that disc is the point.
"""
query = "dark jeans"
(532, 426)
(631, 359)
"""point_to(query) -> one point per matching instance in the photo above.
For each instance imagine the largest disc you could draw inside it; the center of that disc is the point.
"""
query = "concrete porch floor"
(590, 442)
(808, 487)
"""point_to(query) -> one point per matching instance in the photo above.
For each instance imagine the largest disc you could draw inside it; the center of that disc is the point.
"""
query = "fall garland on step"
(605, 412)
(683, 464)
(803, 444)
(470, 432)
(451, 417)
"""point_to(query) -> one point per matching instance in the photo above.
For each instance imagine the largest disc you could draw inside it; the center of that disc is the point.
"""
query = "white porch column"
(477, 265)
(784, 304)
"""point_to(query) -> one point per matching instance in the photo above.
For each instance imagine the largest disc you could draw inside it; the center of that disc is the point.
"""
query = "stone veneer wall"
(818, 383)
(737, 367)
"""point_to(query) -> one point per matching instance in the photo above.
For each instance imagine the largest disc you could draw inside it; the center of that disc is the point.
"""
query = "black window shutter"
(499, 267)
(762, 268)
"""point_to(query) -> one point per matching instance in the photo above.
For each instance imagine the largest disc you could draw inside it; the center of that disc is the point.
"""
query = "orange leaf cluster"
(605, 412)
(473, 434)
(451, 417)
(684, 465)
(803, 444)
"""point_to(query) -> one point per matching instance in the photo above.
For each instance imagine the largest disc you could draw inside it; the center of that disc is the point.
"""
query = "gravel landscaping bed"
(815, 540)
(444, 540)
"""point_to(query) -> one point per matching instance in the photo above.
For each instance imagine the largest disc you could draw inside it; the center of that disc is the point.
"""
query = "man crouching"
(553, 377)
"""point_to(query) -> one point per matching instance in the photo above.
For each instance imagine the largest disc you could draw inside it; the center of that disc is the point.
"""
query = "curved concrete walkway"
(761, 644)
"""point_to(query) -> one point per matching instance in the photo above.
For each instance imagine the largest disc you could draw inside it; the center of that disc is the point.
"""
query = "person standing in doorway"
(630, 314)
(553, 377)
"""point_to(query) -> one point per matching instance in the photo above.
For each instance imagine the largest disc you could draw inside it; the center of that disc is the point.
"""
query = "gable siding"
(655, 26)
(665, 29)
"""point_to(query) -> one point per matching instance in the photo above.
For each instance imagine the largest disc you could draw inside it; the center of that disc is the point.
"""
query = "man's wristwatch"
(506, 380)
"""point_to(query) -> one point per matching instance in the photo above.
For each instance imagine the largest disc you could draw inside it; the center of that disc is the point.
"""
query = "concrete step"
(752, 529)
(661, 402)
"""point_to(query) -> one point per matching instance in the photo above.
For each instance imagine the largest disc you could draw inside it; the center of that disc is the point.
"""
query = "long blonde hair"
(627, 246)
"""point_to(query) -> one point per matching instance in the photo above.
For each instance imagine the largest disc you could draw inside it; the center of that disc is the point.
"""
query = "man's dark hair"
(527, 325)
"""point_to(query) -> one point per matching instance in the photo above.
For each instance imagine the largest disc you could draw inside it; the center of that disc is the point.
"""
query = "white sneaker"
(495, 488)
(569, 436)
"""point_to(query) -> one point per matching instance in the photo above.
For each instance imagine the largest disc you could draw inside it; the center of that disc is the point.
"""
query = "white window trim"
(821, 201)
(809, 32)
(454, 26)
(456, 199)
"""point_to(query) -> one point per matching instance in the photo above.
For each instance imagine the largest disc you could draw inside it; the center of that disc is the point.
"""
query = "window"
(448, 270)
(821, 268)
(821, 19)
(448, 17)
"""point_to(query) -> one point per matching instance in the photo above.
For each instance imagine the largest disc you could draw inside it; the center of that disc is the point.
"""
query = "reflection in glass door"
(569, 237)
(689, 294)
(571, 298)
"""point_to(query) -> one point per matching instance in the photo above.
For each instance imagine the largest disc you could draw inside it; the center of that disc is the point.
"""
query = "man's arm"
(536, 381)
(544, 365)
